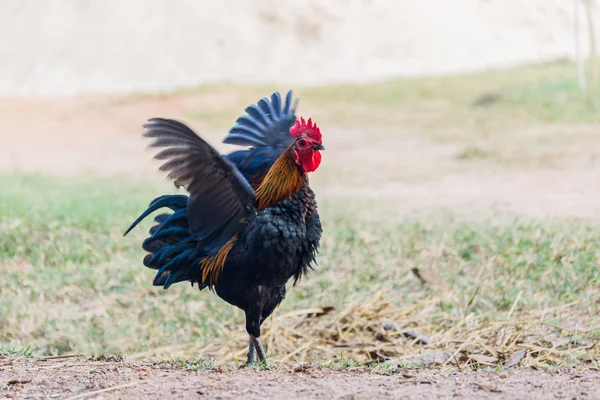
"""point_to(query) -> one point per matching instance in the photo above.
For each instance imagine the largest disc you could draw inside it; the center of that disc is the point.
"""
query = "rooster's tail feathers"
(172, 250)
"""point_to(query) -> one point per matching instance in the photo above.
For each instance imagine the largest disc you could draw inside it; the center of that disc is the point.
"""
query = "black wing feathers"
(220, 200)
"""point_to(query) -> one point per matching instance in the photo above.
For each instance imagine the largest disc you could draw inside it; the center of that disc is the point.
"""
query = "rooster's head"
(307, 147)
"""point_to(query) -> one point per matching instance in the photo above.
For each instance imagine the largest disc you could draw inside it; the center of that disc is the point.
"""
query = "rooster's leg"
(250, 359)
(253, 320)
(260, 351)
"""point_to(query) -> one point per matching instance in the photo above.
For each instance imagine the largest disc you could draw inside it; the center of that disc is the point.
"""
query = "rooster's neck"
(283, 181)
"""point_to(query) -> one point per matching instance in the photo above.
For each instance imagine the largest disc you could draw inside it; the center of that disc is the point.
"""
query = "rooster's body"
(250, 222)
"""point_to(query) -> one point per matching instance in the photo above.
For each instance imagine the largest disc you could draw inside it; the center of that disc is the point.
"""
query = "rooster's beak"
(318, 147)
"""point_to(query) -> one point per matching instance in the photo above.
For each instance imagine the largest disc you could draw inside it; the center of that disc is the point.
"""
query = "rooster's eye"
(302, 142)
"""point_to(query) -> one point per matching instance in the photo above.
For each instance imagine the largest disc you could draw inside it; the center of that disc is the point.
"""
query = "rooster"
(250, 222)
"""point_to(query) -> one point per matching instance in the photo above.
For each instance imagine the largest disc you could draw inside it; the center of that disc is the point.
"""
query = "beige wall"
(58, 47)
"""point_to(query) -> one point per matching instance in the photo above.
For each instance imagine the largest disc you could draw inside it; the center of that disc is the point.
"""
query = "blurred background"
(69, 47)
(459, 190)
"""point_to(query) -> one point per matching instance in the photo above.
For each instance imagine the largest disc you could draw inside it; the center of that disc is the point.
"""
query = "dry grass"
(421, 335)
(440, 326)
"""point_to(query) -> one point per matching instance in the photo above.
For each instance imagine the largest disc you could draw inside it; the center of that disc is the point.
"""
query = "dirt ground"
(73, 378)
(100, 136)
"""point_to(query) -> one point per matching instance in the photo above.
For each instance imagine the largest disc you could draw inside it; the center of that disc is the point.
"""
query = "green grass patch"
(69, 281)
(11, 351)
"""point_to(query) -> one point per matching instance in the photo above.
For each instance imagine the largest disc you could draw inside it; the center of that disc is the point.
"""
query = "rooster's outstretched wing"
(221, 201)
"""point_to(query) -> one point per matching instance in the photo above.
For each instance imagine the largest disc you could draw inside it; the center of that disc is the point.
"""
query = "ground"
(461, 224)
(75, 378)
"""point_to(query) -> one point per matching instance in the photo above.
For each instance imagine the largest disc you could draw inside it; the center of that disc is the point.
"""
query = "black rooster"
(250, 222)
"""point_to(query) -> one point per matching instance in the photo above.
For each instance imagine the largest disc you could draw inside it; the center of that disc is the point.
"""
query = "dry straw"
(378, 331)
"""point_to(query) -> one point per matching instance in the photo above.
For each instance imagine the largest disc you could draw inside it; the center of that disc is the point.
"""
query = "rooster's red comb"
(306, 128)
